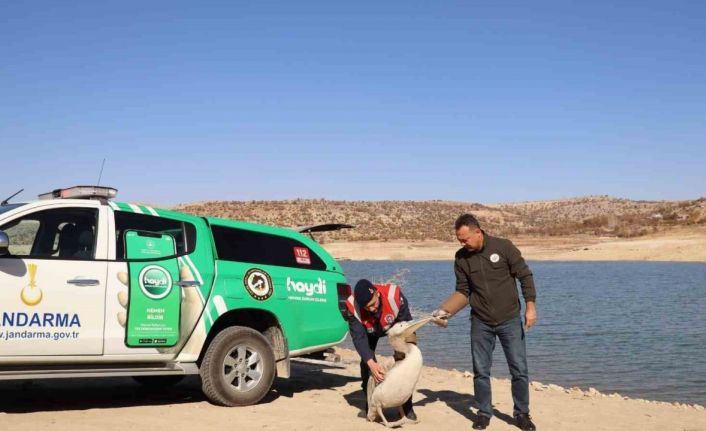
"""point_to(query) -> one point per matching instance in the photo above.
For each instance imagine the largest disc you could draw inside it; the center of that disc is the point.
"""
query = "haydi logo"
(155, 282)
(318, 288)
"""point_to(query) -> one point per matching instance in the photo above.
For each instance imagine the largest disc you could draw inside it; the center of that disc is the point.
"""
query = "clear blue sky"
(474, 101)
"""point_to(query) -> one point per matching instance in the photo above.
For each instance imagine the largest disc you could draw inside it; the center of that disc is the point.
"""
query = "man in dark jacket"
(372, 310)
(486, 270)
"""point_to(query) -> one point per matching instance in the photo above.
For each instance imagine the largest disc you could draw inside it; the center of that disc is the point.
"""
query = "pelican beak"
(412, 328)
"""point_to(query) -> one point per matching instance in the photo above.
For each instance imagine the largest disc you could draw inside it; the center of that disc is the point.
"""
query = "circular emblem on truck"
(258, 284)
(155, 281)
(494, 258)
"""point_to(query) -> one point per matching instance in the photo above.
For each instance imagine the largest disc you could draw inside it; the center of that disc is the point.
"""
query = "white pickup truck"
(90, 287)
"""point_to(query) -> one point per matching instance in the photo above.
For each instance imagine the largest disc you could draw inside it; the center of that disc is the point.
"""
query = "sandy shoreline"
(678, 245)
(316, 398)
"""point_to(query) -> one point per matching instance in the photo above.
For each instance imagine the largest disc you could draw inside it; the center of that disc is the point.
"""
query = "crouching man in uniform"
(372, 310)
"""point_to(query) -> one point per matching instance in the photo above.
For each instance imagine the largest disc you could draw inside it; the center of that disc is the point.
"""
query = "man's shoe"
(481, 423)
(364, 412)
(524, 422)
(411, 416)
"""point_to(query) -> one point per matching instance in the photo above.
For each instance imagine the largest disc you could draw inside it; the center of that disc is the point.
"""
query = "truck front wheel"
(238, 368)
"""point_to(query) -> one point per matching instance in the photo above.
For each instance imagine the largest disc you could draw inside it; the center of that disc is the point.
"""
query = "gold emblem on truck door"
(31, 294)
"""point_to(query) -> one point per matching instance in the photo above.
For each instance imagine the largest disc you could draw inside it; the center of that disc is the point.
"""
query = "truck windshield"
(8, 207)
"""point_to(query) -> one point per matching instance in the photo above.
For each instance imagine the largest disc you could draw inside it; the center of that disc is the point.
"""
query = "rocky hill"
(422, 220)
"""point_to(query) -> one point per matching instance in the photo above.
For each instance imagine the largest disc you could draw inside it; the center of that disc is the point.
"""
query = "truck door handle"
(83, 282)
(188, 283)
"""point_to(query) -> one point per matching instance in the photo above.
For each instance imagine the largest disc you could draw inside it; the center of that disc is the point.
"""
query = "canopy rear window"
(242, 245)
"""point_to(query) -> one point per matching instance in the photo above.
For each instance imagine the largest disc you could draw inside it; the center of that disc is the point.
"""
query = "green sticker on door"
(154, 303)
(155, 282)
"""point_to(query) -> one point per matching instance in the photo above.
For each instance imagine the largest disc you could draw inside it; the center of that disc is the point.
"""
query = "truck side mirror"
(4, 243)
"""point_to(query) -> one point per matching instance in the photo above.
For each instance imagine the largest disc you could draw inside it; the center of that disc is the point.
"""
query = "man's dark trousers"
(512, 337)
(364, 370)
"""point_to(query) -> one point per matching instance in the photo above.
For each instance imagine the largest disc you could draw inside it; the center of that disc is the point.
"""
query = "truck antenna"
(8, 199)
(101, 173)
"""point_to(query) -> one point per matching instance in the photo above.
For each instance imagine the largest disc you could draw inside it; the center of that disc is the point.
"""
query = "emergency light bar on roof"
(81, 192)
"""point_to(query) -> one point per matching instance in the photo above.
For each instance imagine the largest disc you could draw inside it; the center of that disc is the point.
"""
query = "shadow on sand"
(357, 399)
(461, 403)
(305, 378)
(29, 396)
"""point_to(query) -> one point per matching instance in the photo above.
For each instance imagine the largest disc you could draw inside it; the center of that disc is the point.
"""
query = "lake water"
(635, 328)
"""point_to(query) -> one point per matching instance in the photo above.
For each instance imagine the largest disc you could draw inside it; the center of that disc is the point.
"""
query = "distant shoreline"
(677, 245)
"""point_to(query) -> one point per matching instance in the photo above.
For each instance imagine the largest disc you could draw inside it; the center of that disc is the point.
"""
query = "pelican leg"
(382, 416)
(408, 412)
(372, 411)
(394, 424)
(403, 418)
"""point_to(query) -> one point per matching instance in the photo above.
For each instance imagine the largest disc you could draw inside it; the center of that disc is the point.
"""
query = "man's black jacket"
(487, 278)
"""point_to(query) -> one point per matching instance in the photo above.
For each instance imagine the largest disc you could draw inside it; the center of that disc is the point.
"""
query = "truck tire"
(158, 381)
(238, 368)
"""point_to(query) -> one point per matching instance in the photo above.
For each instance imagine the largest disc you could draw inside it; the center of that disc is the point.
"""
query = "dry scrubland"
(598, 216)
(586, 228)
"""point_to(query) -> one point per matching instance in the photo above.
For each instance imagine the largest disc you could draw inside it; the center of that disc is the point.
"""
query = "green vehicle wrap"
(303, 301)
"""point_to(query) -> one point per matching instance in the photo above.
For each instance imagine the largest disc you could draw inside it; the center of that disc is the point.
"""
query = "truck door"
(154, 299)
(157, 282)
(52, 282)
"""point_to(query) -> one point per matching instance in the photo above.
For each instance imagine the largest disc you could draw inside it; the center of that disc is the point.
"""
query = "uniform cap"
(363, 292)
